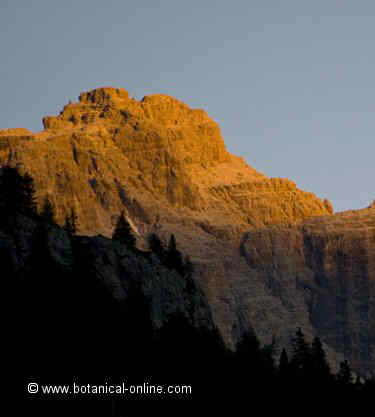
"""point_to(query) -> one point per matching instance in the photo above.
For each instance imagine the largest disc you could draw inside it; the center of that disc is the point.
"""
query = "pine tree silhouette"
(71, 223)
(320, 368)
(47, 212)
(123, 232)
(18, 193)
(28, 203)
(172, 245)
(253, 367)
(301, 359)
(156, 246)
(284, 366)
(268, 353)
(344, 376)
(174, 256)
(188, 266)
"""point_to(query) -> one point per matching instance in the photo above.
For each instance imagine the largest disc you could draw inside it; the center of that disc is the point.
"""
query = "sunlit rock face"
(166, 166)
(108, 152)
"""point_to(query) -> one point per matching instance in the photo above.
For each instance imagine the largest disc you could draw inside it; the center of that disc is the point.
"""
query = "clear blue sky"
(291, 82)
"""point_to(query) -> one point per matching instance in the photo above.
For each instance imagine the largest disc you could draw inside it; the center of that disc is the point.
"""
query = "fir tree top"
(123, 232)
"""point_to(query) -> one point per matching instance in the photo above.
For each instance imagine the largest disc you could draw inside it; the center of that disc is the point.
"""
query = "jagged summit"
(103, 106)
(104, 95)
(107, 150)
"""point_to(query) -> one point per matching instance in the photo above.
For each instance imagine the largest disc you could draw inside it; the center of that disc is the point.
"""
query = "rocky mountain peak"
(107, 150)
(267, 254)
(107, 105)
(104, 95)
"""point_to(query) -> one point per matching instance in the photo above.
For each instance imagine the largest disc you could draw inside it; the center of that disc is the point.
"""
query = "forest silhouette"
(68, 325)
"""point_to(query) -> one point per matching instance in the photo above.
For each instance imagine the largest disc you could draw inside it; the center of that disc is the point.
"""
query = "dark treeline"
(70, 328)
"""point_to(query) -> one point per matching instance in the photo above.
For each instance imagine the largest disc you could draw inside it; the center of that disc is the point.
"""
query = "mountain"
(267, 255)
(324, 271)
(157, 158)
(88, 296)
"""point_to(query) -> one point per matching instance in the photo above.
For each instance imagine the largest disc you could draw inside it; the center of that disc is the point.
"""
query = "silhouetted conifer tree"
(188, 275)
(320, 368)
(301, 359)
(17, 193)
(344, 376)
(172, 245)
(174, 258)
(284, 366)
(156, 246)
(248, 352)
(358, 383)
(47, 213)
(253, 365)
(123, 232)
(188, 266)
(268, 352)
(71, 223)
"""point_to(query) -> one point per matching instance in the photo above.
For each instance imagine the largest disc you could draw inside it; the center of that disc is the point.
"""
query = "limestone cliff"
(155, 157)
(323, 273)
(167, 167)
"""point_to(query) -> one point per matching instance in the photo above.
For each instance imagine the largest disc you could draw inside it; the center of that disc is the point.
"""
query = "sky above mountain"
(290, 82)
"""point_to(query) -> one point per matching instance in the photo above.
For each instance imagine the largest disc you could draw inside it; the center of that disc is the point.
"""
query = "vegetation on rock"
(123, 232)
